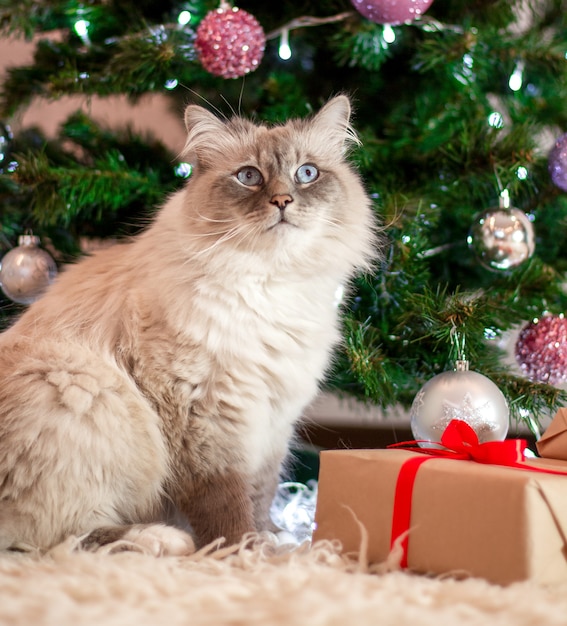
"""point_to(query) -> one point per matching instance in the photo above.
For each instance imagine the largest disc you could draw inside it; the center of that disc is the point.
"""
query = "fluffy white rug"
(257, 584)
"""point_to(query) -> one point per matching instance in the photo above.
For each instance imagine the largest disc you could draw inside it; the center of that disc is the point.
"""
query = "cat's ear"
(202, 128)
(333, 123)
(197, 117)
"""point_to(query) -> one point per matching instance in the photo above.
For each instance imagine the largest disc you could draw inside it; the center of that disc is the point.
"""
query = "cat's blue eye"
(307, 173)
(249, 176)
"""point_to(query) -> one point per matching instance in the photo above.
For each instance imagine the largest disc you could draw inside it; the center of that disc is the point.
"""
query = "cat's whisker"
(212, 233)
(335, 223)
(205, 235)
(227, 236)
(228, 104)
(252, 233)
(211, 219)
(206, 100)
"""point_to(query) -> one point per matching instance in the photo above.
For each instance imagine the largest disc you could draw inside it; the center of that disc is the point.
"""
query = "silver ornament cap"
(460, 394)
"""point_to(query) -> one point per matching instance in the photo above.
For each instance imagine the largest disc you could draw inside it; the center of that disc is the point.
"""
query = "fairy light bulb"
(496, 120)
(284, 50)
(388, 34)
(522, 172)
(183, 170)
(81, 27)
(517, 77)
(184, 18)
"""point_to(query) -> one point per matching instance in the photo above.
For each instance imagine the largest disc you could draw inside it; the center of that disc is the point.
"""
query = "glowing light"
(183, 170)
(284, 50)
(184, 18)
(496, 120)
(468, 61)
(171, 83)
(82, 28)
(522, 172)
(465, 74)
(388, 34)
(517, 77)
(406, 238)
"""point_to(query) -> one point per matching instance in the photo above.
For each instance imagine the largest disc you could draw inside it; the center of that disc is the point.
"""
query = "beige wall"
(152, 113)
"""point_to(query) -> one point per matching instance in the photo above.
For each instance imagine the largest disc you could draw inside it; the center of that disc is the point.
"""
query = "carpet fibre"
(256, 583)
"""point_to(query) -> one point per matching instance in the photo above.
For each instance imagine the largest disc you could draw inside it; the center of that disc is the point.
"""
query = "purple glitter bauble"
(230, 42)
(541, 349)
(558, 163)
(391, 11)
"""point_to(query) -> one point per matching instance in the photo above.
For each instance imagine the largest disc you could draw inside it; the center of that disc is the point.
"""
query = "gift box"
(553, 443)
(467, 519)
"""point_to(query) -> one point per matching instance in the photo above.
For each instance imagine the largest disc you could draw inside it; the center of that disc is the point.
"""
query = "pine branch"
(99, 175)
(361, 46)
(27, 17)
(60, 194)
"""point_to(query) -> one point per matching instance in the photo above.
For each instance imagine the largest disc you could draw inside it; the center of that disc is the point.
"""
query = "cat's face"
(269, 189)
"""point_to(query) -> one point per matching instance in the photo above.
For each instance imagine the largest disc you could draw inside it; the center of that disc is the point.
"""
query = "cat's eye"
(307, 173)
(249, 176)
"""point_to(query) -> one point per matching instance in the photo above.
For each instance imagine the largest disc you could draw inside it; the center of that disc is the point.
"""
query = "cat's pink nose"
(281, 200)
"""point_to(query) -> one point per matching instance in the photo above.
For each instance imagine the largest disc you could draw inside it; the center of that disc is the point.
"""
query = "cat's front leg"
(263, 491)
(218, 505)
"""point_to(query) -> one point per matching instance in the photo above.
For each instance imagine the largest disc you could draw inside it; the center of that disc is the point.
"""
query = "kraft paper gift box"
(467, 519)
(553, 443)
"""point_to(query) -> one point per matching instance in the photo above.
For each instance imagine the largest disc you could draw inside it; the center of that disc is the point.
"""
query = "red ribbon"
(459, 442)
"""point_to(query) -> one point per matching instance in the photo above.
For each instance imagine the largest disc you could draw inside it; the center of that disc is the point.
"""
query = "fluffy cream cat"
(170, 370)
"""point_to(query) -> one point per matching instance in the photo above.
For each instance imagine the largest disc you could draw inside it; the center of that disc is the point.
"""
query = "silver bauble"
(464, 395)
(502, 238)
(26, 271)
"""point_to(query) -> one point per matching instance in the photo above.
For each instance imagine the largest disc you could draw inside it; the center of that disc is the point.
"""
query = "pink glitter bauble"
(558, 163)
(541, 349)
(230, 42)
(391, 11)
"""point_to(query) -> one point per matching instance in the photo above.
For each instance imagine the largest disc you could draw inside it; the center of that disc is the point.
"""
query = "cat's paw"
(154, 539)
(160, 540)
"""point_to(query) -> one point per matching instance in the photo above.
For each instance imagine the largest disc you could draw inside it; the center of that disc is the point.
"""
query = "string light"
(465, 73)
(184, 18)
(496, 120)
(522, 172)
(183, 170)
(517, 77)
(284, 50)
(82, 29)
(388, 34)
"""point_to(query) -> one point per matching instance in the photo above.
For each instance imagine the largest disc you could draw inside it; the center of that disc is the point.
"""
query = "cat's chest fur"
(244, 357)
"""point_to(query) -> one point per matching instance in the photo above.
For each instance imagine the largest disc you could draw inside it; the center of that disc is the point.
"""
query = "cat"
(169, 371)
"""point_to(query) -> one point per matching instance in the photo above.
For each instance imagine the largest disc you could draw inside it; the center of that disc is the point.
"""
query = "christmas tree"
(461, 108)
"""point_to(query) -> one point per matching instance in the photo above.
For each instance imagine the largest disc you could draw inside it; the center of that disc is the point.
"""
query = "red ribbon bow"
(459, 442)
